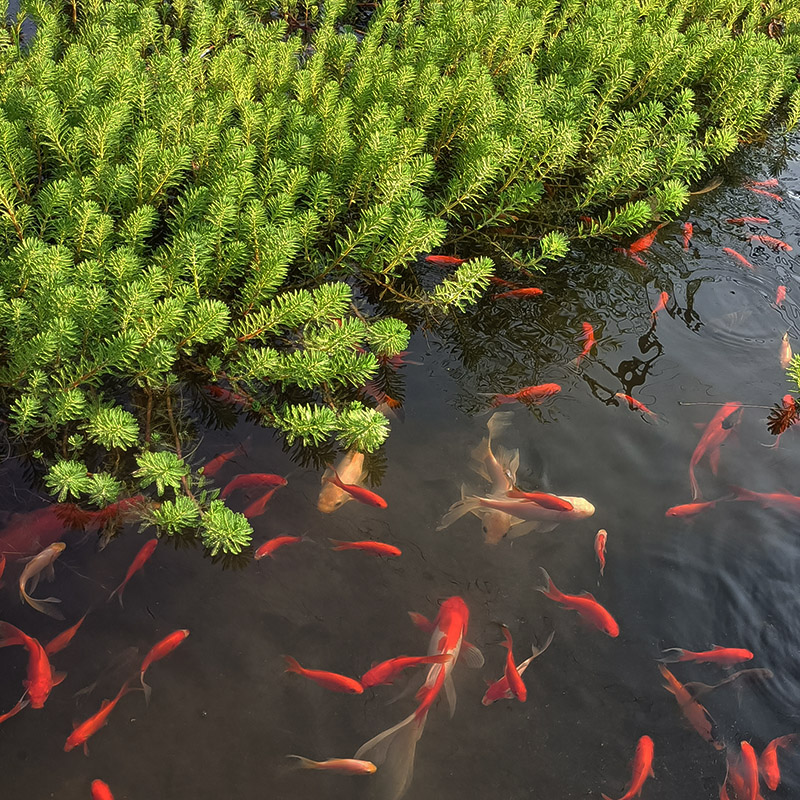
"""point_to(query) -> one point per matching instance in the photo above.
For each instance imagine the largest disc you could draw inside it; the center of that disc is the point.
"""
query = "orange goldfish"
(257, 507)
(101, 791)
(786, 351)
(229, 397)
(269, 547)
(350, 468)
(157, 652)
(726, 656)
(530, 291)
(769, 182)
(749, 771)
(738, 256)
(216, 464)
(780, 500)
(771, 195)
(376, 548)
(768, 762)
(642, 769)
(529, 395)
(513, 678)
(600, 548)
(88, 728)
(695, 714)
(631, 255)
(63, 639)
(645, 242)
(357, 492)
(251, 479)
(743, 220)
(445, 261)
(688, 230)
(329, 680)
(385, 672)
(689, 509)
(40, 679)
(588, 340)
(772, 242)
(714, 435)
(780, 295)
(500, 690)
(584, 604)
(138, 562)
(347, 766)
(663, 299)
(635, 405)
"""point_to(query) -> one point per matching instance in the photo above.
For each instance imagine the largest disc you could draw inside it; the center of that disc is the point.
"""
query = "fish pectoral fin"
(58, 677)
(32, 583)
(49, 572)
(86, 748)
(450, 695)
(471, 656)
(520, 528)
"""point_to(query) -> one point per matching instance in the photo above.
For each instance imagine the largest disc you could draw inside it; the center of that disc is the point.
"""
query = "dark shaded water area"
(223, 714)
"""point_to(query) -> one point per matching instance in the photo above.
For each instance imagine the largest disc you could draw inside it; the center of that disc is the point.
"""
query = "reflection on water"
(223, 713)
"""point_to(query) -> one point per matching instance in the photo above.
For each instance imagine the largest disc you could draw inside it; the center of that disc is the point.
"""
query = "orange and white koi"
(375, 548)
(743, 220)
(663, 299)
(690, 509)
(695, 714)
(587, 337)
(738, 257)
(350, 468)
(251, 480)
(530, 395)
(688, 230)
(768, 761)
(780, 295)
(445, 261)
(40, 678)
(270, 546)
(786, 354)
(329, 680)
(515, 683)
(584, 604)
(635, 405)
(258, 506)
(357, 492)
(57, 644)
(516, 294)
(88, 728)
(101, 791)
(346, 766)
(33, 569)
(726, 656)
(771, 242)
(385, 672)
(157, 652)
(642, 769)
(500, 690)
(600, 548)
(138, 562)
(716, 432)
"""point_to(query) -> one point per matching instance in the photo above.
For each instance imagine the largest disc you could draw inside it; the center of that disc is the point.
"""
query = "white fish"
(43, 562)
(350, 469)
(786, 351)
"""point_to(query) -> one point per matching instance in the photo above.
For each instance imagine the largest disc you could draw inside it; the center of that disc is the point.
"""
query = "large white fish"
(350, 469)
(43, 562)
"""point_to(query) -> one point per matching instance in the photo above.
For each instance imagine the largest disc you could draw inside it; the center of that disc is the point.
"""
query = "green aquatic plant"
(199, 198)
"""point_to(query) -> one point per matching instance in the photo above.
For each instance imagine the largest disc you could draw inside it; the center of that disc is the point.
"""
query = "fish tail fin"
(292, 665)
(537, 651)
(507, 642)
(672, 655)
(695, 487)
(118, 594)
(547, 587)
(338, 544)
(478, 456)
(43, 605)
(303, 762)
(393, 751)
(458, 510)
(145, 688)
(498, 422)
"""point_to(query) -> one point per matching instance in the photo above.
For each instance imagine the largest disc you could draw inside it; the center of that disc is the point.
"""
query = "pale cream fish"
(786, 351)
(350, 469)
(41, 563)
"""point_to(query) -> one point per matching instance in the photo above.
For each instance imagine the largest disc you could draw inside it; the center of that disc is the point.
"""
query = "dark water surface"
(223, 714)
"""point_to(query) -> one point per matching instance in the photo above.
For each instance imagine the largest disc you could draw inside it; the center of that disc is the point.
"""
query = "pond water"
(223, 713)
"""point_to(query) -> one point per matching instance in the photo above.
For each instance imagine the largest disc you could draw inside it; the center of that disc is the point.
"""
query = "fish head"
(331, 498)
(581, 507)
(495, 525)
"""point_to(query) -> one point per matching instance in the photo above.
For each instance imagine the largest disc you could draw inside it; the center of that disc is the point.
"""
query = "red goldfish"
(642, 769)
(771, 241)
(742, 220)
(257, 507)
(695, 714)
(216, 464)
(631, 255)
(500, 690)
(63, 639)
(328, 680)
(157, 652)
(40, 679)
(749, 772)
(543, 499)
(635, 405)
(357, 492)
(229, 397)
(269, 547)
(600, 548)
(385, 672)
(780, 295)
(513, 678)
(780, 500)
(584, 604)
(529, 395)
(771, 195)
(138, 562)
(587, 337)
(688, 230)
(88, 728)
(738, 256)
(108, 513)
(530, 291)
(100, 791)
(376, 548)
(714, 435)
(689, 509)
(445, 261)
(768, 763)
(347, 766)
(645, 241)
(726, 656)
(251, 479)
(502, 282)
(663, 299)
(769, 182)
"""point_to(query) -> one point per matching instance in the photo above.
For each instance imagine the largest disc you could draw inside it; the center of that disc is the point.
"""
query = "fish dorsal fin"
(105, 704)
(471, 655)
(587, 595)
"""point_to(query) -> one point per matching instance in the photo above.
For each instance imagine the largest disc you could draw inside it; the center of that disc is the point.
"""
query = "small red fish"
(738, 256)
(530, 291)
(780, 500)
(328, 680)
(500, 690)
(385, 672)
(696, 714)
(772, 242)
(635, 405)
(157, 652)
(749, 771)
(63, 639)
(445, 261)
(376, 548)
(768, 762)
(514, 679)
(743, 220)
(101, 791)
(722, 423)
(229, 397)
(502, 282)
(357, 492)
(529, 395)
(772, 182)
(663, 299)
(587, 337)
(726, 656)
(257, 507)
(251, 479)
(645, 241)
(40, 678)
(584, 604)
(772, 196)
(600, 548)
(88, 728)
(780, 295)
(270, 546)
(631, 255)
(688, 230)
(346, 766)
(542, 499)
(216, 464)
(642, 769)
(138, 562)
(689, 509)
